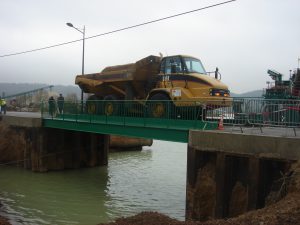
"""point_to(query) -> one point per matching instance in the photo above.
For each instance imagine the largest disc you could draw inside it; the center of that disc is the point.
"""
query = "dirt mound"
(202, 194)
(238, 200)
(4, 221)
(144, 218)
(284, 211)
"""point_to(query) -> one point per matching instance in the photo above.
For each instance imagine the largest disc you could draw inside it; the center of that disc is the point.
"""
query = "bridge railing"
(239, 112)
(158, 113)
(257, 112)
(28, 101)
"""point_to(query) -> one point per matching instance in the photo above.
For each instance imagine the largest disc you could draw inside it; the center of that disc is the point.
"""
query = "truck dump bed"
(117, 77)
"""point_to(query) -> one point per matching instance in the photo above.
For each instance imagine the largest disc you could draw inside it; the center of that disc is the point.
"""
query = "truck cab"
(184, 77)
(181, 65)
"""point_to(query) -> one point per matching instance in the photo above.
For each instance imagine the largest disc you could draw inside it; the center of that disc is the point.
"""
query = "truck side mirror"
(216, 73)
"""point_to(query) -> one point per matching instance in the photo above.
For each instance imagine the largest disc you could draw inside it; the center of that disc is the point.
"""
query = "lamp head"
(69, 24)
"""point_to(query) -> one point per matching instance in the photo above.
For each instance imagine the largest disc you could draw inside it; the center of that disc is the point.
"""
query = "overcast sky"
(243, 38)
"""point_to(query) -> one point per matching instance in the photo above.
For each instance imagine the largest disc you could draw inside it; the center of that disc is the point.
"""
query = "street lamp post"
(82, 70)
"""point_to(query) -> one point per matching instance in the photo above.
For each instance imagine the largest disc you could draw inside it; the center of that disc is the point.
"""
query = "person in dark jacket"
(60, 103)
(51, 103)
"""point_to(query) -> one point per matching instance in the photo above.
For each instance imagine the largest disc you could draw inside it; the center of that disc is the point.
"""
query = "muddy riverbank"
(4, 221)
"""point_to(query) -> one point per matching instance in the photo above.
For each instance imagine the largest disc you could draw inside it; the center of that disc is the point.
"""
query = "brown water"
(150, 180)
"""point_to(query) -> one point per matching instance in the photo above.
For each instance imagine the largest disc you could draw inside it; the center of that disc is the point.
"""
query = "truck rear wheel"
(111, 107)
(160, 107)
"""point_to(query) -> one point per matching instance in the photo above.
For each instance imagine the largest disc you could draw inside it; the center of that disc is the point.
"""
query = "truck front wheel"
(159, 106)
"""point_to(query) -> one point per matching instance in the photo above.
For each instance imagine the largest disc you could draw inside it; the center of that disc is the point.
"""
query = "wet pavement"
(264, 131)
(23, 114)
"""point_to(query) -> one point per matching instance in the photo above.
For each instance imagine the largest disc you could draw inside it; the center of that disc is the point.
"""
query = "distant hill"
(256, 93)
(16, 88)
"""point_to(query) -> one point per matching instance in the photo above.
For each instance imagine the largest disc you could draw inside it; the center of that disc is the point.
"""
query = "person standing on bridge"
(51, 103)
(60, 103)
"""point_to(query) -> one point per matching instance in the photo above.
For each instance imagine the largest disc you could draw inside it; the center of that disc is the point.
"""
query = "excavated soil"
(4, 221)
(238, 200)
(200, 196)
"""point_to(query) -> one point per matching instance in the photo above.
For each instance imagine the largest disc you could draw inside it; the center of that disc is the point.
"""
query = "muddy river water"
(149, 180)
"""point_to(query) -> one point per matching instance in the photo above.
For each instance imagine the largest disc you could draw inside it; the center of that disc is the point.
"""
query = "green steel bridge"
(161, 120)
(157, 120)
(28, 93)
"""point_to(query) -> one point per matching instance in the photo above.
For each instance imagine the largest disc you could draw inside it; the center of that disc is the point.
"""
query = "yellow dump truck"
(181, 79)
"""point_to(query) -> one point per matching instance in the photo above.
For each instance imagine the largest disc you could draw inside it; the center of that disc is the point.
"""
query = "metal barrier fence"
(238, 111)
(258, 112)
(186, 110)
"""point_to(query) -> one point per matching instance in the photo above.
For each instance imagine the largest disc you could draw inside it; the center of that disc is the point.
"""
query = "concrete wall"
(44, 149)
(247, 144)
(54, 149)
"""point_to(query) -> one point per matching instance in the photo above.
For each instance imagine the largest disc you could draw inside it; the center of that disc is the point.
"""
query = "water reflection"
(69, 197)
(149, 180)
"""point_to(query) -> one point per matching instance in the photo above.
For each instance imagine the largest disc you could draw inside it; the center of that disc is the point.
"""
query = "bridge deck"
(22, 119)
(161, 129)
(156, 128)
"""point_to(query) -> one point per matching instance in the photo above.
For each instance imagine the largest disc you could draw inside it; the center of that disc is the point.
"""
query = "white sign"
(176, 92)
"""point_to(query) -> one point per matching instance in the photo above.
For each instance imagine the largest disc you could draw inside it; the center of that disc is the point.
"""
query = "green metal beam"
(158, 133)
(28, 92)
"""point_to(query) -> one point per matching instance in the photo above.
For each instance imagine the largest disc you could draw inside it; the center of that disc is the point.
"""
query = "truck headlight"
(219, 92)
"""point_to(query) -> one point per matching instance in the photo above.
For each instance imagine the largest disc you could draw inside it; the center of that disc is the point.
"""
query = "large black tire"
(160, 107)
(92, 105)
(111, 106)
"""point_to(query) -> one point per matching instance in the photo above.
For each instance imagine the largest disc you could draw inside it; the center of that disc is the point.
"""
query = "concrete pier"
(48, 149)
(232, 173)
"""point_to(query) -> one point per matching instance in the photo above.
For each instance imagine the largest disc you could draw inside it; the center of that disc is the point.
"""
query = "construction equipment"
(281, 99)
(283, 89)
(180, 79)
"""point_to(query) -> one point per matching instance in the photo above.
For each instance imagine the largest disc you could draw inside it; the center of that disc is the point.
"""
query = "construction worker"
(3, 106)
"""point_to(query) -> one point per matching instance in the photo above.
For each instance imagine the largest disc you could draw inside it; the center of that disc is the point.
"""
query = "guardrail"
(238, 112)
(146, 113)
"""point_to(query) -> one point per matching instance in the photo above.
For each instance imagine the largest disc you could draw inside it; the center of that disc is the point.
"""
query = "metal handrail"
(236, 111)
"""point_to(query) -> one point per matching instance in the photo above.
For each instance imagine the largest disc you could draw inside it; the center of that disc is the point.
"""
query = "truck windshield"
(194, 65)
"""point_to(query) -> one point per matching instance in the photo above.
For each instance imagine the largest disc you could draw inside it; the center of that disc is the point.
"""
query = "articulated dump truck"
(182, 80)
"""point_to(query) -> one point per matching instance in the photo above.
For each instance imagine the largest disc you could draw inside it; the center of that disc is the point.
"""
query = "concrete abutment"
(55, 149)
